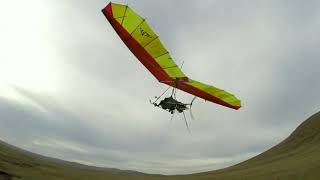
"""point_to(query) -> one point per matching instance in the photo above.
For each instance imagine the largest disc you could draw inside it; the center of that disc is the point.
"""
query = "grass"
(296, 158)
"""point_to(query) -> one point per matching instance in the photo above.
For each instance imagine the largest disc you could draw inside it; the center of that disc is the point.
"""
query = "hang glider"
(138, 36)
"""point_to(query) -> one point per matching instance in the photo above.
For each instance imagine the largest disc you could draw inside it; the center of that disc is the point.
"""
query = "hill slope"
(16, 163)
(296, 158)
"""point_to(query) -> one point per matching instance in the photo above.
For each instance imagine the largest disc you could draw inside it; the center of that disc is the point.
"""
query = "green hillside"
(296, 158)
(16, 163)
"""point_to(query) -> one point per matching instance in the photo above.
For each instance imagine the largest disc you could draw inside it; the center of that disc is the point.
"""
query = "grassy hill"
(16, 163)
(296, 158)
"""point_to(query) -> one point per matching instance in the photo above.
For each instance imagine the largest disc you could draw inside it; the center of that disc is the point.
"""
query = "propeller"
(172, 117)
(185, 120)
(190, 109)
(174, 111)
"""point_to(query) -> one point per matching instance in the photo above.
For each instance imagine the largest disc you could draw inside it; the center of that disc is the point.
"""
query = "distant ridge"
(295, 158)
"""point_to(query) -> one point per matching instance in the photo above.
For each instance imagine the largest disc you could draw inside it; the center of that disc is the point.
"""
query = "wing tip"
(237, 107)
(107, 11)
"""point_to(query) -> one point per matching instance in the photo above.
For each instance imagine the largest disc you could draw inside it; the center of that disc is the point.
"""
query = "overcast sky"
(70, 89)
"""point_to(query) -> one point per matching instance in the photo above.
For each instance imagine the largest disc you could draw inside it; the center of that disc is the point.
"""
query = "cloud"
(59, 145)
(264, 52)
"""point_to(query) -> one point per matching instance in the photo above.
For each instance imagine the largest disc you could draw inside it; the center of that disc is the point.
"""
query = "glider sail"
(138, 36)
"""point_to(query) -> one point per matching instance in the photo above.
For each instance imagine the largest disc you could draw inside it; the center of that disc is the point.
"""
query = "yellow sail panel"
(118, 10)
(131, 20)
(174, 72)
(165, 61)
(155, 48)
(144, 34)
